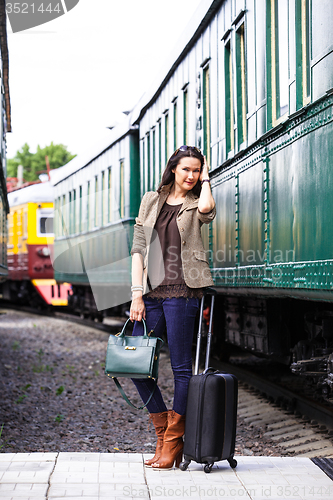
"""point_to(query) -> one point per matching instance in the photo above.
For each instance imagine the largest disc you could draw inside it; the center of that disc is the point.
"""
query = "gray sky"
(72, 77)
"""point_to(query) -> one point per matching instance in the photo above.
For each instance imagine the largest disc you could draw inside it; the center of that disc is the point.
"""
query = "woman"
(176, 211)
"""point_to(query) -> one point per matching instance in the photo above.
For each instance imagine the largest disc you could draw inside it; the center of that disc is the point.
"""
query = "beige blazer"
(189, 221)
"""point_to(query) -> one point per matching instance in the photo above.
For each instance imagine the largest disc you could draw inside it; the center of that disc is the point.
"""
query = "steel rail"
(65, 316)
(296, 402)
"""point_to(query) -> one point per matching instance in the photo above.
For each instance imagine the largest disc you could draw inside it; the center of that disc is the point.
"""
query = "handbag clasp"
(130, 348)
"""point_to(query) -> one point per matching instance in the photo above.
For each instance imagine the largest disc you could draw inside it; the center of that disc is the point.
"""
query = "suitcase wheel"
(184, 465)
(232, 462)
(208, 467)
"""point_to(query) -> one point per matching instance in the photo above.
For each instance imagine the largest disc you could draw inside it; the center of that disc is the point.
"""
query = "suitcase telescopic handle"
(209, 335)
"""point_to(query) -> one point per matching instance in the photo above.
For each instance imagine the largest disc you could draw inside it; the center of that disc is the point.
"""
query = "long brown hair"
(168, 174)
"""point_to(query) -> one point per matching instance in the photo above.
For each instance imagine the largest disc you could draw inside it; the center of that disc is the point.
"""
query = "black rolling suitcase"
(211, 412)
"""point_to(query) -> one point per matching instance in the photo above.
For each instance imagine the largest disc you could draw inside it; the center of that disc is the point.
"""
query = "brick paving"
(113, 476)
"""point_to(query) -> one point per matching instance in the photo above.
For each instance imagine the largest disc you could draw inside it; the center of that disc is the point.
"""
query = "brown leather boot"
(160, 421)
(173, 442)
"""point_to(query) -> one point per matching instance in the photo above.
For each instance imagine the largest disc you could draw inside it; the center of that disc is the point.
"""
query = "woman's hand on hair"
(205, 171)
(206, 200)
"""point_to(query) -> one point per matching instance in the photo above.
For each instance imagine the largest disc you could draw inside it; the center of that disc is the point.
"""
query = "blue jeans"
(178, 316)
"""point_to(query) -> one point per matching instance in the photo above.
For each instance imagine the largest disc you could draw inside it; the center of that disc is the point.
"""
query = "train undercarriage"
(82, 302)
(298, 333)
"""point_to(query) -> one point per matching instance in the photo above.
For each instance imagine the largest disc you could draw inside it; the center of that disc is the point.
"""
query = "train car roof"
(192, 32)
(95, 150)
(37, 193)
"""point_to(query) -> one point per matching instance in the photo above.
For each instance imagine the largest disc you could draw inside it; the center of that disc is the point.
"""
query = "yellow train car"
(30, 243)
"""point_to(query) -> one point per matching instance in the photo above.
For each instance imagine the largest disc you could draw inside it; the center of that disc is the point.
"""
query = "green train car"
(94, 210)
(271, 245)
(251, 84)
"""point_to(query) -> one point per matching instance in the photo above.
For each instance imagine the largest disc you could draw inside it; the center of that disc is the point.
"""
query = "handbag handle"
(121, 390)
(122, 333)
(116, 381)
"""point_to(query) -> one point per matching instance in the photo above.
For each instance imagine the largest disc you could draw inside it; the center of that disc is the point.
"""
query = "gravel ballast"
(54, 395)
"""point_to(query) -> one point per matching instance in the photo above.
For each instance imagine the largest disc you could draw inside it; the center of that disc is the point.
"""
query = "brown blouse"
(173, 284)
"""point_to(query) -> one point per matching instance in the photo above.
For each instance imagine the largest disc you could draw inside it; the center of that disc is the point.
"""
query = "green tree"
(23, 157)
(34, 163)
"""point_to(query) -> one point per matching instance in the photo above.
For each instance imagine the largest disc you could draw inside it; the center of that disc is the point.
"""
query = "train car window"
(277, 60)
(148, 162)
(80, 210)
(122, 187)
(281, 52)
(175, 125)
(302, 29)
(25, 225)
(74, 212)
(56, 218)
(45, 222)
(96, 203)
(166, 136)
(185, 115)
(46, 226)
(10, 231)
(14, 231)
(241, 86)
(88, 207)
(70, 214)
(63, 217)
(154, 159)
(19, 222)
(103, 200)
(109, 194)
(160, 149)
(229, 103)
(206, 113)
(306, 40)
(59, 220)
(144, 166)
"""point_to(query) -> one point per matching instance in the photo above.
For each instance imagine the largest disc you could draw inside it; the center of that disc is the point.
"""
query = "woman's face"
(187, 173)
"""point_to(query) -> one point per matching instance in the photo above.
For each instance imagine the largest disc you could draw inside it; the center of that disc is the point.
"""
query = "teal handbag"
(133, 357)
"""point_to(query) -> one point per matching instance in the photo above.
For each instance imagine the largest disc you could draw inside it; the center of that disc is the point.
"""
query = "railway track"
(301, 426)
(297, 425)
(304, 429)
(110, 324)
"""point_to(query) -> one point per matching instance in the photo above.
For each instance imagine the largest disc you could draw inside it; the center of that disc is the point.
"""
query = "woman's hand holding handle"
(138, 309)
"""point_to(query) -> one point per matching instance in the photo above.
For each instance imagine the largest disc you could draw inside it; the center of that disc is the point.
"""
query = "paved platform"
(112, 476)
